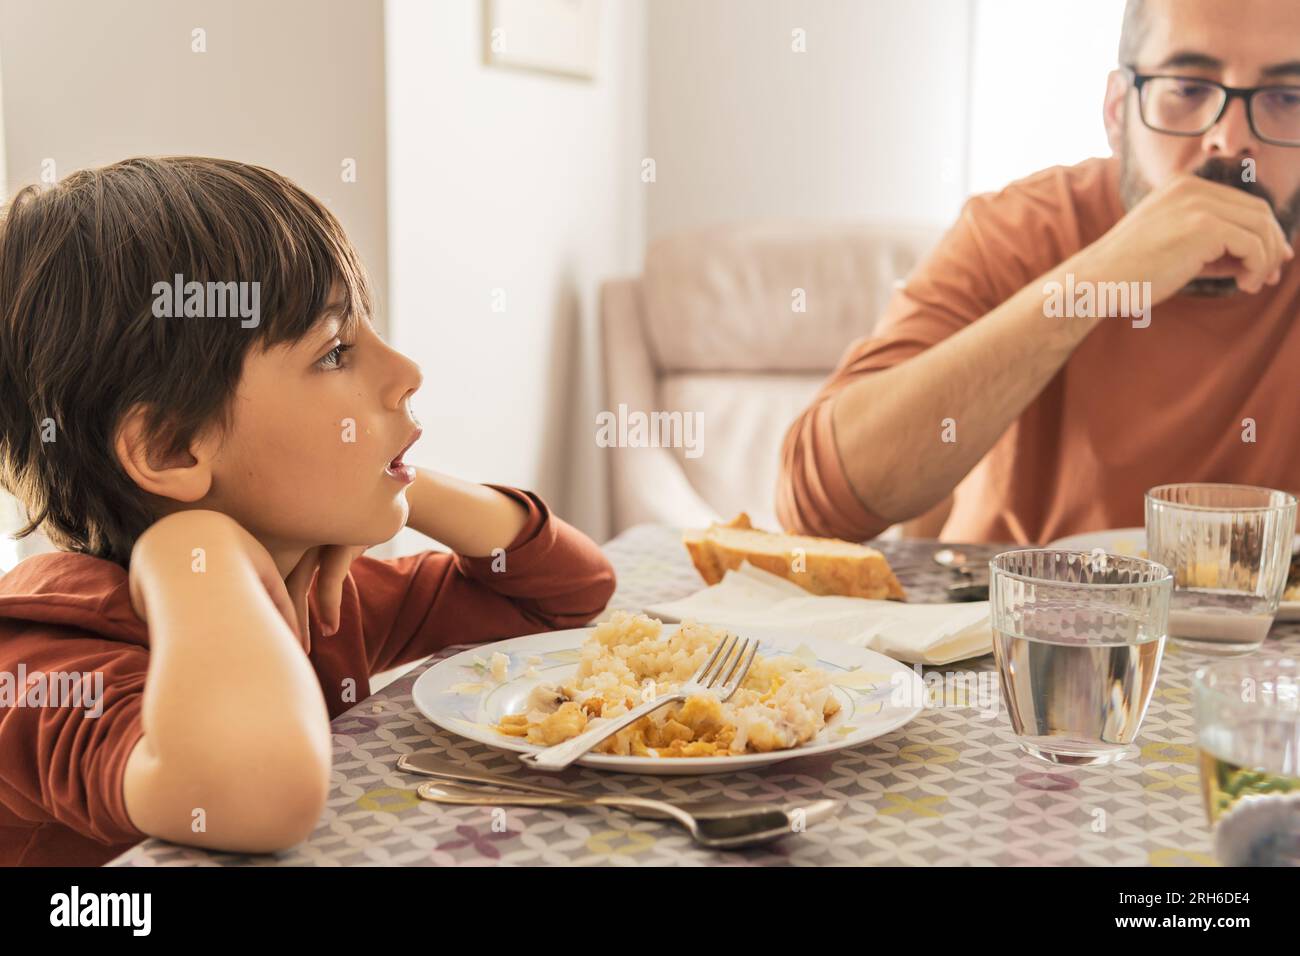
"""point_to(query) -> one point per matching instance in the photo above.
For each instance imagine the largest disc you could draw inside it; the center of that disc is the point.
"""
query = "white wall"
(527, 183)
(869, 123)
(296, 85)
(1039, 76)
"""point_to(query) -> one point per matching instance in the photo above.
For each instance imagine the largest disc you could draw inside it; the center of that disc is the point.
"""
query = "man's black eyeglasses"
(1190, 106)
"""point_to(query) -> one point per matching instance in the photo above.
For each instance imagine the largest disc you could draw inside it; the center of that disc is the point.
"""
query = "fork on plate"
(721, 674)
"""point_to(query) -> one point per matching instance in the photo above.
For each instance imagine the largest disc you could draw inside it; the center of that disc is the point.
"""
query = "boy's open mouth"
(397, 468)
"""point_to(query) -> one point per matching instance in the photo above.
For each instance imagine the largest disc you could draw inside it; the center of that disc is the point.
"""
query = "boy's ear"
(182, 477)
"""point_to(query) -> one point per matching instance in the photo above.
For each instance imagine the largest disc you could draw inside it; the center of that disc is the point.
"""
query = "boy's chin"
(395, 521)
(378, 529)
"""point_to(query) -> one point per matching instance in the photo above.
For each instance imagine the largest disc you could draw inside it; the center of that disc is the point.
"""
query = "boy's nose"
(404, 381)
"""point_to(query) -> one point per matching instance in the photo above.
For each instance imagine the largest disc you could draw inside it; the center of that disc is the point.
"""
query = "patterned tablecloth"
(951, 787)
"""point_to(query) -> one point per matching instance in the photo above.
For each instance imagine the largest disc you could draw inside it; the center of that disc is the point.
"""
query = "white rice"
(783, 702)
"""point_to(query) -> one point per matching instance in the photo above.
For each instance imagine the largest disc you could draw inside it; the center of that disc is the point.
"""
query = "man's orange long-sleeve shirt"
(1209, 391)
(61, 799)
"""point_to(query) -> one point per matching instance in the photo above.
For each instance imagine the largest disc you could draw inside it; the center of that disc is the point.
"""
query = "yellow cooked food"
(783, 703)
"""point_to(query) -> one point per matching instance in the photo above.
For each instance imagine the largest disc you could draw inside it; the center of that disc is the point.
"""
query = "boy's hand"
(328, 565)
(164, 556)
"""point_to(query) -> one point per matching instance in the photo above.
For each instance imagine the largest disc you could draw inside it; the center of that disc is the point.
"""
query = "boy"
(195, 408)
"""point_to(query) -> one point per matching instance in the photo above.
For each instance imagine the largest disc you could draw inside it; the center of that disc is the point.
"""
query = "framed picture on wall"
(549, 36)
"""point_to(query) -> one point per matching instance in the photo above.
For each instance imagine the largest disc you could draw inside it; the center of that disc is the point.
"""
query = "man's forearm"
(468, 518)
(889, 424)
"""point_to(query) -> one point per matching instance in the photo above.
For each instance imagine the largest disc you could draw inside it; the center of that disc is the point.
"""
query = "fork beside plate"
(716, 824)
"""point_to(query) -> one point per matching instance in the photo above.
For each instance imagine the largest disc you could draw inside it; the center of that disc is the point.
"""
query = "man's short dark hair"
(1133, 31)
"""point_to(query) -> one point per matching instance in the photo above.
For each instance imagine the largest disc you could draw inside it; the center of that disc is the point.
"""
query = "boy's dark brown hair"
(80, 344)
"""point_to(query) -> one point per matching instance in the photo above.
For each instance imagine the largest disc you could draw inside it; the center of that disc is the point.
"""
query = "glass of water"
(1229, 547)
(1078, 637)
(1248, 730)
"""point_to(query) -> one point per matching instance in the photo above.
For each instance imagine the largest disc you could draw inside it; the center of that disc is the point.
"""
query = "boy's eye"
(333, 359)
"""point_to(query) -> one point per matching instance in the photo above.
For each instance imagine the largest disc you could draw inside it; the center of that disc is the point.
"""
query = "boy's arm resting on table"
(235, 752)
(516, 568)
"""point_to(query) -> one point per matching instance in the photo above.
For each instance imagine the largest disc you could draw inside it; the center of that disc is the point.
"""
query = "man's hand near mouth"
(1190, 228)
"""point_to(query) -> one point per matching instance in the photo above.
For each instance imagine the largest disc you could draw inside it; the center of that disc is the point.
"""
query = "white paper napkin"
(760, 604)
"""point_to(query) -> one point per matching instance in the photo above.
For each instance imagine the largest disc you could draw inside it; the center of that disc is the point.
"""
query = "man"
(1093, 330)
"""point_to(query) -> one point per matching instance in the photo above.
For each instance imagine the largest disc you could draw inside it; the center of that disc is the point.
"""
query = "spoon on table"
(429, 765)
(972, 588)
(745, 828)
(969, 588)
(715, 823)
(955, 560)
(949, 558)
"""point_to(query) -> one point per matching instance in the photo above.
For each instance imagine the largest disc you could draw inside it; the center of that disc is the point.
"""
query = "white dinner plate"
(1133, 541)
(876, 693)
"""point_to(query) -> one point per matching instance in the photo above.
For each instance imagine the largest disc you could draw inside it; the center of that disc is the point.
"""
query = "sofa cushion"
(724, 299)
(744, 418)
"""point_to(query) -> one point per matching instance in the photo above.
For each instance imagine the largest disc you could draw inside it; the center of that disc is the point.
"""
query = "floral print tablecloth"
(951, 787)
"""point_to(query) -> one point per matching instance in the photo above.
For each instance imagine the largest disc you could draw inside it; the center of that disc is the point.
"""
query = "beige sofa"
(713, 329)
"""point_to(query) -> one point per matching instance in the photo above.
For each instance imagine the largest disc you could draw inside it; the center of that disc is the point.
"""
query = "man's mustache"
(1222, 171)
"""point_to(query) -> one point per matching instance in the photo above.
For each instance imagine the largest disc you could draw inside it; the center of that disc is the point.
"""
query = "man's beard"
(1133, 188)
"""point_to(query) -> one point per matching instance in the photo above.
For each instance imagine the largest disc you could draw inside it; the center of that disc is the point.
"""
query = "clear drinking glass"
(1229, 547)
(1078, 638)
(1248, 729)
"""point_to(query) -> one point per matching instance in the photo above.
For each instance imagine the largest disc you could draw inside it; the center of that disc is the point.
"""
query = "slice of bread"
(818, 565)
